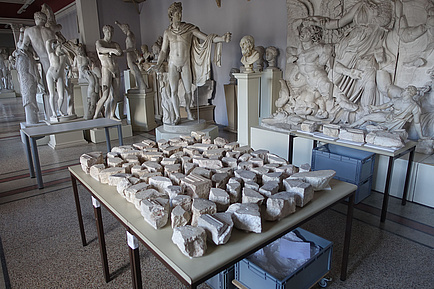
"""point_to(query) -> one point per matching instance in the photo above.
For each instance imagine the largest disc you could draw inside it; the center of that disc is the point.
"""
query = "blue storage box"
(254, 277)
(223, 280)
(351, 165)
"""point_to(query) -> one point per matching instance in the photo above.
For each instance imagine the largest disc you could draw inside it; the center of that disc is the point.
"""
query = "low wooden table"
(193, 271)
(33, 133)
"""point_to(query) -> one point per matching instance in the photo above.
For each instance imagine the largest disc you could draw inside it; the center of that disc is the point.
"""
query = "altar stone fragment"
(220, 142)
(217, 226)
(318, 179)
(155, 212)
(182, 200)
(352, 134)
(200, 207)
(173, 191)
(179, 217)
(196, 186)
(115, 162)
(234, 190)
(246, 217)
(147, 194)
(275, 159)
(95, 170)
(89, 159)
(309, 126)
(105, 173)
(331, 130)
(252, 196)
(246, 176)
(269, 188)
(279, 206)
(219, 180)
(303, 192)
(220, 198)
(160, 183)
(385, 139)
(115, 179)
(132, 190)
(190, 240)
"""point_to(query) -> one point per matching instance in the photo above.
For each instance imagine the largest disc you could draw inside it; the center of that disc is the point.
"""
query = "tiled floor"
(40, 245)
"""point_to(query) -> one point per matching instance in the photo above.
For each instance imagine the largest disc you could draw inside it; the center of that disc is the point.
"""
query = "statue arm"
(49, 45)
(108, 50)
(328, 23)
(163, 52)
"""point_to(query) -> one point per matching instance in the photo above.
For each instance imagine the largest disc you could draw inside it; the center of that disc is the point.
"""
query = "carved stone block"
(302, 192)
(217, 226)
(220, 197)
(190, 240)
(246, 217)
(155, 212)
(200, 207)
(279, 206)
(252, 196)
(196, 186)
(318, 179)
(179, 217)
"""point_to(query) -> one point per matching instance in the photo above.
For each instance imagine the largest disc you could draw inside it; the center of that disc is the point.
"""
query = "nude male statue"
(56, 75)
(107, 51)
(177, 41)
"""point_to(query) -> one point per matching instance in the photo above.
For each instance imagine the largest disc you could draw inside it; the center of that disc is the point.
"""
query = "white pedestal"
(270, 87)
(248, 104)
(185, 128)
(97, 135)
(67, 139)
(206, 112)
(423, 192)
(141, 107)
(231, 106)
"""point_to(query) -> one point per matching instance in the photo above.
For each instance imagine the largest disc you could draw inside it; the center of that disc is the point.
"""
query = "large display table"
(194, 271)
(33, 133)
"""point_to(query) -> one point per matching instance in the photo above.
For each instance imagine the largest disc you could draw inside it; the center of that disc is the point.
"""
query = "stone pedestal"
(141, 107)
(97, 135)
(16, 82)
(67, 139)
(206, 112)
(270, 87)
(7, 93)
(231, 106)
(247, 104)
(167, 131)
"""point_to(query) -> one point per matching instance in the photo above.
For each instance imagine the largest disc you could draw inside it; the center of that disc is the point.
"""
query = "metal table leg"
(29, 156)
(386, 190)
(133, 249)
(348, 228)
(407, 176)
(100, 231)
(38, 172)
(107, 139)
(78, 208)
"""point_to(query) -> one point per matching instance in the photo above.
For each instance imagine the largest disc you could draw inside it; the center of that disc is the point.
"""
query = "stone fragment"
(162, 143)
(246, 217)
(206, 139)
(139, 146)
(220, 198)
(128, 166)
(95, 170)
(246, 176)
(259, 171)
(149, 143)
(130, 191)
(234, 190)
(173, 191)
(115, 179)
(352, 134)
(243, 149)
(190, 240)
(220, 142)
(89, 159)
(257, 162)
(188, 138)
(160, 183)
(191, 151)
(125, 183)
(206, 173)
(215, 153)
(178, 142)
(196, 186)
(179, 217)
(155, 212)
(148, 194)
(252, 185)
(152, 166)
(218, 227)
(303, 192)
(245, 165)
(208, 163)
(168, 161)
(287, 170)
(152, 156)
(131, 154)
(232, 154)
(425, 146)
(122, 149)
(279, 206)
(252, 196)
(225, 170)
(245, 157)
(115, 162)
(269, 188)
(331, 130)
(177, 156)
(172, 169)
(262, 154)
(275, 159)
(219, 180)
(112, 155)
(318, 179)
(168, 151)
(188, 168)
(145, 176)
(229, 162)
(176, 178)
(385, 139)
(231, 145)
(184, 201)
(309, 126)
(105, 173)
(272, 167)
(198, 135)
(201, 147)
(200, 207)
(273, 177)
(304, 168)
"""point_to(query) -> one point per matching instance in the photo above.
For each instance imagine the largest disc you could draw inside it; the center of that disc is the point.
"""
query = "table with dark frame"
(31, 134)
(194, 271)
(409, 148)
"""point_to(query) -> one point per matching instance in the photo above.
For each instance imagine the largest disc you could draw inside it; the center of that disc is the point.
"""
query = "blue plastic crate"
(223, 280)
(254, 277)
(351, 165)
(363, 190)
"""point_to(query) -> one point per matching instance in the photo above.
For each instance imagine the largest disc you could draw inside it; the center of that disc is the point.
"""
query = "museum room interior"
(205, 144)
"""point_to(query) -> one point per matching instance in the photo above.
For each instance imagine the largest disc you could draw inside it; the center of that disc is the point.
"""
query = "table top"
(216, 258)
(44, 130)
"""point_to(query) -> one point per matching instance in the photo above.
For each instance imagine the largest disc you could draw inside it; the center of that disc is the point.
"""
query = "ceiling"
(9, 8)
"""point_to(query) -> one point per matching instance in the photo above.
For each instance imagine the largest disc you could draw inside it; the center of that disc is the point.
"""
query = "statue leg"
(61, 93)
(174, 82)
(105, 81)
(51, 90)
(187, 81)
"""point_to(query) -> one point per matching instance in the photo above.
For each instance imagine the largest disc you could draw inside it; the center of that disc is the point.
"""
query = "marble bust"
(250, 55)
(271, 54)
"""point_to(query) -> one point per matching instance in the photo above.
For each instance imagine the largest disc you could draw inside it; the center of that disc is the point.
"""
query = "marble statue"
(145, 58)
(83, 63)
(260, 63)
(107, 51)
(250, 55)
(156, 48)
(56, 76)
(271, 54)
(3, 72)
(132, 55)
(179, 40)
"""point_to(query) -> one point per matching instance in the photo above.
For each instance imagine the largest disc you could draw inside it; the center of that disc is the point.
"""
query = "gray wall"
(264, 20)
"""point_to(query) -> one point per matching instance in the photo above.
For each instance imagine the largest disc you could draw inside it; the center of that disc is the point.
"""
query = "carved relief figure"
(110, 75)
(188, 59)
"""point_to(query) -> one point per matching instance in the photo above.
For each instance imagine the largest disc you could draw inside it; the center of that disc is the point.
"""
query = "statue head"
(409, 91)
(271, 53)
(309, 33)
(40, 18)
(175, 11)
(247, 43)
(108, 31)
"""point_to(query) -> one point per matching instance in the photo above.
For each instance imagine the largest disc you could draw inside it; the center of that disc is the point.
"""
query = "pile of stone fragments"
(205, 188)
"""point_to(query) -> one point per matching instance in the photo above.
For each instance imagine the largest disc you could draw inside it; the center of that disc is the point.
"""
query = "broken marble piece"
(172, 169)
(95, 170)
(190, 240)
(331, 130)
(173, 191)
(215, 153)
(252, 185)
(303, 192)
(352, 134)
(272, 177)
(208, 163)
(197, 135)
(184, 201)
(191, 151)
(225, 170)
(201, 147)
(179, 217)
(229, 162)
(221, 198)
(160, 183)
(234, 190)
(219, 180)
(148, 194)
(89, 159)
(200, 207)
(131, 153)
(309, 126)
(269, 188)
(130, 191)
(115, 179)
(206, 139)
(206, 173)
(177, 156)
(122, 149)
(232, 154)
(275, 159)
(220, 142)
(145, 176)
(137, 169)
(152, 167)
(112, 155)
(152, 156)
(259, 171)
(246, 176)
(304, 168)
(262, 154)
(155, 212)
(196, 186)
(168, 161)
(244, 157)
(162, 143)
(243, 149)
(217, 226)
(318, 179)
(246, 217)
(188, 168)
(115, 162)
(176, 177)
(385, 139)
(251, 196)
(231, 145)
(188, 138)
(125, 183)
(168, 151)
(178, 142)
(257, 162)
(149, 143)
(272, 167)
(128, 166)
(279, 206)
(245, 165)
(139, 146)
(185, 159)
(425, 146)
(105, 173)
(287, 170)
